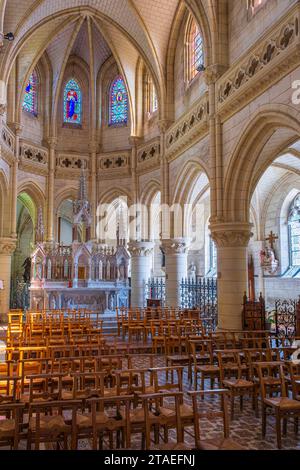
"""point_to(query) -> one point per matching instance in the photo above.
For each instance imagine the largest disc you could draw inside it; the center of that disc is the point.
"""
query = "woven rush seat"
(238, 383)
(208, 368)
(137, 415)
(185, 411)
(283, 402)
(7, 427)
(51, 424)
(85, 420)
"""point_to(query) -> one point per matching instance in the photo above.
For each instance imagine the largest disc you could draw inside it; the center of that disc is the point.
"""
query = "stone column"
(14, 181)
(176, 253)
(7, 247)
(50, 210)
(93, 157)
(141, 253)
(164, 178)
(135, 231)
(232, 241)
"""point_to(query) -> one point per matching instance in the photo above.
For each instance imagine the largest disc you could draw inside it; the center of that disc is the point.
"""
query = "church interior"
(149, 225)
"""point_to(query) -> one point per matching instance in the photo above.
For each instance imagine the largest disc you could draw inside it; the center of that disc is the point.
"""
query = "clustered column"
(93, 154)
(232, 242)
(52, 146)
(141, 253)
(176, 252)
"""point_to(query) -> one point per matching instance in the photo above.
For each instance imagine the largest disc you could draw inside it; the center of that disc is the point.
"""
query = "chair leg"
(284, 429)
(232, 406)
(278, 428)
(264, 419)
(296, 425)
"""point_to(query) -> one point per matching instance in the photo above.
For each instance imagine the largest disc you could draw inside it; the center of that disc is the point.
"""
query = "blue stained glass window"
(72, 102)
(118, 102)
(30, 95)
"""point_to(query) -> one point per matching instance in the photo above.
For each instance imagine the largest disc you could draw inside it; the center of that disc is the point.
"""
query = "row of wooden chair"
(61, 424)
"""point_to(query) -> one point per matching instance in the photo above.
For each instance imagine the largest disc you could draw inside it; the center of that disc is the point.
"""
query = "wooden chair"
(203, 363)
(220, 443)
(155, 418)
(97, 423)
(47, 424)
(235, 376)
(11, 424)
(283, 406)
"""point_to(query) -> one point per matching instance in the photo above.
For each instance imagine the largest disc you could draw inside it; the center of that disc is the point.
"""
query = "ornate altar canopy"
(85, 274)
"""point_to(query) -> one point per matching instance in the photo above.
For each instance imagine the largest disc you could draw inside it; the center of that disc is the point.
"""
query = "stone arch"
(271, 130)
(4, 209)
(36, 193)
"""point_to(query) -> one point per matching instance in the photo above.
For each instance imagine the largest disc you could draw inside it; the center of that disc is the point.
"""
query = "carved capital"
(231, 234)
(163, 125)
(7, 246)
(3, 108)
(52, 142)
(213, 73)
(137, 249)
(175, 246)
(18, 128)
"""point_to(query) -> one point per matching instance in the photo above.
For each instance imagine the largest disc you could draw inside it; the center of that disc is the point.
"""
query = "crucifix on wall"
(271, 239)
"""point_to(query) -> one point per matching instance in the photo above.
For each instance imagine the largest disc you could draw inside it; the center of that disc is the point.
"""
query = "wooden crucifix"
(272, 239)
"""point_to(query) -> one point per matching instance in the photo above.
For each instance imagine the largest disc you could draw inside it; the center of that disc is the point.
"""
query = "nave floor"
(244, 429)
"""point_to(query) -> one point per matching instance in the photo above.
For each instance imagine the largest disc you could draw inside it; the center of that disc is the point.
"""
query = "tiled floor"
(245, 428)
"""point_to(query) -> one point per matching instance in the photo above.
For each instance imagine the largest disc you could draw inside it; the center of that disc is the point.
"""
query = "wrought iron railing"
(285, 317)
(155, 289)
(20, 295)
(201, 293)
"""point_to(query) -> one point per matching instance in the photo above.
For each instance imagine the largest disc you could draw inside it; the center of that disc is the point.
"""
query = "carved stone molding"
(139, 249)
(227, 235)
(175, 246)
(268, 61)
(148, 156)
(189, 129)
(33, 154)
(7, 246)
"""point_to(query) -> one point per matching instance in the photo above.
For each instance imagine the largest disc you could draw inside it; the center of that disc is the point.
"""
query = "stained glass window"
(118, 102)
(197, 52)
(294, 232)
(72, 102)
(30, 100)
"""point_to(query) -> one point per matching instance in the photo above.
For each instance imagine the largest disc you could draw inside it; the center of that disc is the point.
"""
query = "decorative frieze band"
(72, 162)
(33, 154)
(193, 124)
(148, 155)
(267, 62)
(113, 164)
(7, 139)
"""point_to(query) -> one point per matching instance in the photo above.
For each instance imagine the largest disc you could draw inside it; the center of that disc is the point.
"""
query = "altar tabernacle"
(85, 274)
